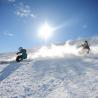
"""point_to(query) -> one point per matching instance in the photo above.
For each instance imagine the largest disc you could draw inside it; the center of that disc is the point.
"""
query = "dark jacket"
(86, 46)
(23, 53)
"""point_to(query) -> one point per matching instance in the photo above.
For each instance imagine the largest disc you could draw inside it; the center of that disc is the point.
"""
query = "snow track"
(69, 76)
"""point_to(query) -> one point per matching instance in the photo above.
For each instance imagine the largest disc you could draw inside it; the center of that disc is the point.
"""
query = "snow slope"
(55, 71)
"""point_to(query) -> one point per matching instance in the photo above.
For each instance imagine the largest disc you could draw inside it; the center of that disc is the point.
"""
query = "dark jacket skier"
(86, 46)
(22, 54)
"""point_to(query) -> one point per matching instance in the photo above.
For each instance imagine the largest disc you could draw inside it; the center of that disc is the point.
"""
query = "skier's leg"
(18, 58)
(21, 57)
(88, 50)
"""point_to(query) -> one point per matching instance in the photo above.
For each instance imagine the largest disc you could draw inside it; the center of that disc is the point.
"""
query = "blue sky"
(21, 19)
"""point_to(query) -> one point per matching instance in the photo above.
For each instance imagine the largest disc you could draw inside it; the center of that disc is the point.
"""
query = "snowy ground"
(58, 71)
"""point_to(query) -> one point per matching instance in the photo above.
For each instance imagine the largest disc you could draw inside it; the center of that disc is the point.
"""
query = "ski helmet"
(86, 41)
(20, 48)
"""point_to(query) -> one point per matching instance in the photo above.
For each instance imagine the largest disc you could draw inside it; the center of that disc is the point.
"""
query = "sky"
(20, 21)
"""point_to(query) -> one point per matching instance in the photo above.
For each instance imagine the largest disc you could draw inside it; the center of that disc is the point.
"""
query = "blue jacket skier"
(22, 54)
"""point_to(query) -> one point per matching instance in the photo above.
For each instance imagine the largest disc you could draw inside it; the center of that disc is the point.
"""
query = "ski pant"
(19, 58)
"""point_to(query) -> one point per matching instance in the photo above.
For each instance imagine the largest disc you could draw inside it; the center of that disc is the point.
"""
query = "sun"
(45, 31)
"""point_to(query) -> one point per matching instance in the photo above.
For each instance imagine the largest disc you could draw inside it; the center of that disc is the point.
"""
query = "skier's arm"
(18, 52)
(81, 45)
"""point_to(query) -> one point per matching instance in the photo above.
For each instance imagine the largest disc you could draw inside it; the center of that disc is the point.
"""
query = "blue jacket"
(23, 53)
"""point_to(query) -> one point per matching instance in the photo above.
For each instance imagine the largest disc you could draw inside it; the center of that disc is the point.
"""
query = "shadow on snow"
(8, 70)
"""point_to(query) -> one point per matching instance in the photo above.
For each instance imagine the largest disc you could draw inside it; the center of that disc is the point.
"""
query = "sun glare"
(45, 31)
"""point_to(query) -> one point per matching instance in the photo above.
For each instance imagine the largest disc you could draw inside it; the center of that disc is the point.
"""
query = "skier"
(85, 46)
(22, 54)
